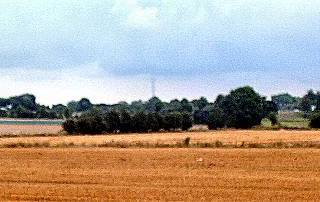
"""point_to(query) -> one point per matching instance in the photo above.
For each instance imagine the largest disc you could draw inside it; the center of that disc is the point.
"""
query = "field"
(232, 138)
(28, 129)
(38, 162)
(159, 174)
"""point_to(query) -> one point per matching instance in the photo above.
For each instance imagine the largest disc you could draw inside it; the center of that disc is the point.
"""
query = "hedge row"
(95, 122)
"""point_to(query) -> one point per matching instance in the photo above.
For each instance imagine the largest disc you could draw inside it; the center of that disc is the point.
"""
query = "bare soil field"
(9, 129)
(226, 137)
(159, 174)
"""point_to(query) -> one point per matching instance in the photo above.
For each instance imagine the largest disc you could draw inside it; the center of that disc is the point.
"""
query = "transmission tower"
(153, 87)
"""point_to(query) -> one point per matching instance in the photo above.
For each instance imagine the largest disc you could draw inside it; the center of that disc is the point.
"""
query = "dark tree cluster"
(25, 106)
(315, 120)
(309, 103)
(285, 101)
(97, 122)
(242, 108)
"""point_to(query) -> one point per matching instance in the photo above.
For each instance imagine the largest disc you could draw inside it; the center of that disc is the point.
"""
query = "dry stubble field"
(159, 174)
(193, 174)
(227, 137)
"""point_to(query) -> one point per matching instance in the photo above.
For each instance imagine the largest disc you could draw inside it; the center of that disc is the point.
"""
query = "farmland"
(159, 174)
(41, 163)
(170, 139)
(28, 129)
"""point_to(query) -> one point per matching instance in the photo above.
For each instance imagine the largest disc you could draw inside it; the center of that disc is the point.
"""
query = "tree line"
(97, 122)
(241, 108)
(308, 103)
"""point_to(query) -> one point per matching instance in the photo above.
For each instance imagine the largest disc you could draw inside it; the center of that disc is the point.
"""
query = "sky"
(110, 50)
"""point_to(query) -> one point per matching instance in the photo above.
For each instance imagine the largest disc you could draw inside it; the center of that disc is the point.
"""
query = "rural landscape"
(154, 150)
(159, 100)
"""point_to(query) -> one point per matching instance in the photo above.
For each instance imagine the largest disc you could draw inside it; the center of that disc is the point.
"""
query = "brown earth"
(7, 129)
(159, 174)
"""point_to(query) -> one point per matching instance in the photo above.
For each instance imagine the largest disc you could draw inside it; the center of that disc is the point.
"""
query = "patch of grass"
(26, 145)
(185, 143)
(295, 124)
(255, 145)
(288, 121)
(218, 144)
(280, 144)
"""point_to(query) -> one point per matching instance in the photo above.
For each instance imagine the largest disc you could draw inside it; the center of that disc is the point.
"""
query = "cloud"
(134, 14)
(160, 36)
(175, 40)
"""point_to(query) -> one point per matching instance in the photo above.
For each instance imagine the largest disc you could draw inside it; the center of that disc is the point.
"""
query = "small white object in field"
(199, 159)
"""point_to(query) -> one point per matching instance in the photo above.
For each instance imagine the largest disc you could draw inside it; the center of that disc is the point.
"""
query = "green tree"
(154, 105)
(175, 106)
(3, 113)
(273, 118)
(186, 106)
(308, 101)
(91, 122)
(66, 113)
(137, 106)
(201, 116)
(200, 103)
(45, 112)
(125, 122)
(186, 122)
(26, 101)
(4, 102)
(112, 120)
(318, 101)
(84, 105)
(21, 112)
(59, 110)
(269, 107)
(172, 121)
(72, 106)
(315, 120)
(285, 101)
(217, 119)
(139, 123)
(243, 107)
(70, 126)
(153, 122)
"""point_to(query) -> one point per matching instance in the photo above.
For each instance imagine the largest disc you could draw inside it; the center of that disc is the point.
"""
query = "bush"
(125, 122)
(87, 123)
(91, 124)
(112, 120)
(216, 119)
(173, 121)
(70, 126)
(153, 122)
(186, 121)
(200, 116)
(315, 120)
(139, 123)
(273, 118)
(21, 112)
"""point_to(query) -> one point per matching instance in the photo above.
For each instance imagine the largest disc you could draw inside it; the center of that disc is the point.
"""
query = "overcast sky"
(109, 50)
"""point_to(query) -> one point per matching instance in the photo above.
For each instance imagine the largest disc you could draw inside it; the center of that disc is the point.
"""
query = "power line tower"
(153, 87)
